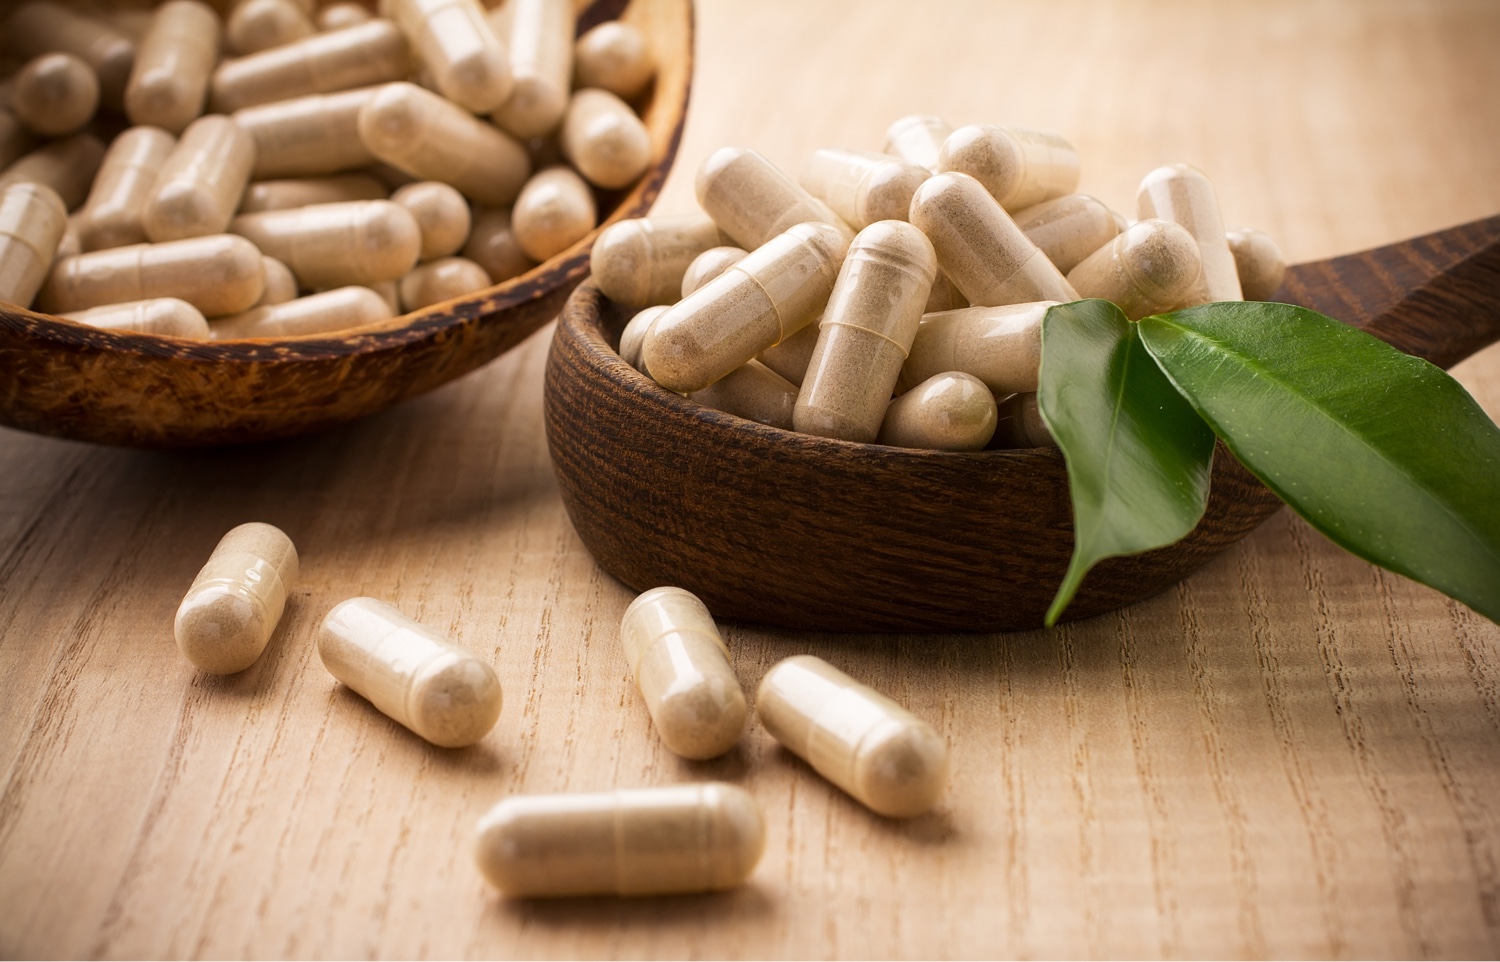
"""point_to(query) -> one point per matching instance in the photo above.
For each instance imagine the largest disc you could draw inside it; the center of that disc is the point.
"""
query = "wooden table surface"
(1291, 753)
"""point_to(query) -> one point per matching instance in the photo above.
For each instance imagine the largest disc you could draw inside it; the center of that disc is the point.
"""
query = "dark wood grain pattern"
(771, 526)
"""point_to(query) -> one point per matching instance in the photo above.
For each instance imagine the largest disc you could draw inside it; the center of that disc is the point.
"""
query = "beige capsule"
(111, 217)
(863, 187)
(454, 40)
(1183, 195)
(305, 191)
(1001, 346)
(220, 274)
(337, 16)
(55, 94)
(32, 222)
(331, 245)
(235, 603)
(1019, 424)
(441, 213)
(708, 265)
(132, 23)
(281, 285)
(1018, 167)
(681, 666)
(256, 25)
(201, 181)
(770, 295)
(308, 136)
(390, 292)
(492, 245)
(169, 84)
(952, 411)
(1068, 229)
(166, 316)
(980, 248)
(791, 357)
(604, 139)
(554, 211)
(754, 392)
(420, 133)
(633, 337)
(67, 166)
(642, 260)
(339, 309)
(865, 333)
(441, 691)
(441, 280)
(70, 245)
(42, 26)
(945, 296)
(917, 138)
(359, 56)
(614, 56)
(752, 201)
(889, 759)
(540, 34)
(1150, 268)
(1258, 261)
(15, 139)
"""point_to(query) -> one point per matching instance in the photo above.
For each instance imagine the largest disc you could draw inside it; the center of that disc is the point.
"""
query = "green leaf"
(1138, 456)
(1382, 452)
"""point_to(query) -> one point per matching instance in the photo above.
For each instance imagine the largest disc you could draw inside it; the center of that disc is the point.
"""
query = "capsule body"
(234, 604)
(752, 201)
(604, 139)
(369, 53)
(167, 316)
(540, 33)
(15, 140)
(917, 138)
(111, 217)
(200, 183)
(306, 191)
(435, 688)
(280, 286)
(642, 261)
(866, 744)
(614, 56)
(42, 26)
(1001, 346)
(1151, 267)
(634, 336)
(754, 392)
(330, 245)
(1068, 229)
(492, 245)
(218, 275)
(55, 94)
(32, 221)
(863, 187)
(1019, 424)
(67, 166)
(307, 136)
(441, 280)
(256, 25)
(947, 412)
(441, 213)
(708, 265)
(1018, 167)
(553, 212)
(337, 16)
(644, 841)
(172, 67)
(326, 312)
(1183, 195)
(453, 39)
(1258, 261)
(791, 357)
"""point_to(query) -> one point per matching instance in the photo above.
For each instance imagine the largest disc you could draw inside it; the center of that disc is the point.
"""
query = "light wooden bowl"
(771, 526)
(66, 379)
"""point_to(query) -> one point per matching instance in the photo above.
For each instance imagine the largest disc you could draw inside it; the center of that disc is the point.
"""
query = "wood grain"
(1290, 753)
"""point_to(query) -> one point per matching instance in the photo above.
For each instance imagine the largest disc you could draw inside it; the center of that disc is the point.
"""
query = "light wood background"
(1289, 754)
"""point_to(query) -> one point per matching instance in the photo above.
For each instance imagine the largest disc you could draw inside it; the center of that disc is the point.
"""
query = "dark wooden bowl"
(771, 526)
(62, 378)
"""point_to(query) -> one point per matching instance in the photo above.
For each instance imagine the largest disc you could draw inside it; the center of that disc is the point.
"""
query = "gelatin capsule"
(1068, 229)
(980, 248)
(453, 39)
(280, 285)
(791, 357)
(201, 181)
(708, 265)
(234, 604)
(306, 136)
(917, 139)
(337, 16)
(682, 668)
(1183, 195)
(863, 187)
(492, 245)
(540, 35)
(166, 316)
(220, 274)
(70, 244)
(256, 25)
(642, 260)
(55, 94)
(752, 201)
(1150, 268)
(438, 690)
(945, 296)
(1001, 346)
(887, 758)
(42, 26)
(442, 215)
(554, 211)
(645, 841)
(764, 299)
(177, 55)
(614, 56)
(441, 280)
(947, 412)
(634, 336)
(866, 332)
(390, 292)
(1019, 424)
(340, 309)
(604, 139)
(32, 221)
(754, 392)
(331, 245)
(15, 140)
(369, 53)
(306, 191)
(1018, 167)
(1258, 262)
(67, 166)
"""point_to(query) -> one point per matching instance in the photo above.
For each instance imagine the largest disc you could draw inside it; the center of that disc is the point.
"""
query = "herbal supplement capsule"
(634, 336)
(1150, 268)
(167, 316)
(305, 191)
(390, 292)
(306, 136)
(1183, 195)
(1001, 346)
(111, 217)
(1018, 167)
(256, 25)
(440, 691)
(642, 260)
(218, 275)
(369, 53)
(980, 248)
(866, 331)
(200, 182)
(70, 245)
(441, 213)
(331, 245)
(337, 16)
(55, 94)
(15, 140)
(554, 211)
(614, 56)
(917, 139)
(944, 296)
(764, 299)
(752, 201)
(132, 23)
(644, 841)
(863, 187)
(337, 310)
(1068, 229)
(604, 139)
(791, 357)
(681, 666)
(233, 606)
(32, 221)
(42, 26)
(420, 133)
(540, 34)
(889, 759)
(1019, 424)
(492, 245)
(1258, 262)
(754, 392)
(441, 280)
(708, 265)
(67, 166)
(172, 67)
(453, 39)
(947, 412)
(280, 286)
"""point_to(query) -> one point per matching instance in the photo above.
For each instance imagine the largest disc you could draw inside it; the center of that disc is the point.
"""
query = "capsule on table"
(980, 248)
(645, 841)
(752, 201)
(369, 53)
(917, 138)
(1001, 346)
(438, 690)
(1152, 267)
(1019, 424)
(540, 34)
(169, 84)
(111, 217)
(420, 133)
(453, 39)
(441, 213)
(952, 411)
(200, 182)
(306, 191)
(42, 26)
(308, 136)
(256, 25)
(764, 299)
(220, 274)
(634, 336)
(1182, 194)
(167, 316)
(642, 260)
(1018, 167)
(32, 221)
(1258, 261)
(863, 187)
(754, 392)
(554, 211)
(337, 16)
(887, 758)
(791, 357)
(67, 166)
(55, 94)
(492, 245)
(441, 280)
(339, 309)
(233, 606)
(1068, 229)
(708, 265)
(604, 139)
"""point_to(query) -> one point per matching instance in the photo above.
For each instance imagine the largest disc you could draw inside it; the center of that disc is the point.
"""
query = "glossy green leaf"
(1382, 452)
(1138, 456)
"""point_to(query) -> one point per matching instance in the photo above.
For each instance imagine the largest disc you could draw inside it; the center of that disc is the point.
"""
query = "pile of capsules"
(252, 196)
(681, 838)
(897, 296)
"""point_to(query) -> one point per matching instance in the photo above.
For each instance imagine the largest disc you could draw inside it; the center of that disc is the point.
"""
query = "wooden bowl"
(772, 526)
(67, 379)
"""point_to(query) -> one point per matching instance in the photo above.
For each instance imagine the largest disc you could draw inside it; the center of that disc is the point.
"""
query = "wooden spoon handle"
(1436, 296)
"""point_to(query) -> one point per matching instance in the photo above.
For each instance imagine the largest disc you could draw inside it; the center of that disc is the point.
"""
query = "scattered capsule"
(177, 55)
(55, 94)
(256, 25)
(492, 245)
(365, 54)
(306, 191)
(67, 166)
(889, 759)
(1151, 267)
(754, 392)
(331, 245)
(1001, 346)
(645, 841)
(773, 293)
(200, 182)
(791, 357)
(604, 139)
(1183, 195)
(554, 211)
(220, 274)
(441, 213)
(613, 56)
(437, 689)
(234, 604)
(752, 201)
(863, 187)
(1068, 229)
(634, 336)
(1019, 424)
(918, 139)
(643, 260)
(441, 280)
(32, 221)
(947, 412)
(980, 248)
(540, 33)
(1258, 261)
(111, 217)
(1018, 167)
(42, 26)
(453, 39)
(166, 316)
(339, 309)
(307, 136)
(337, 16)
(708, 265)
(866, 331)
